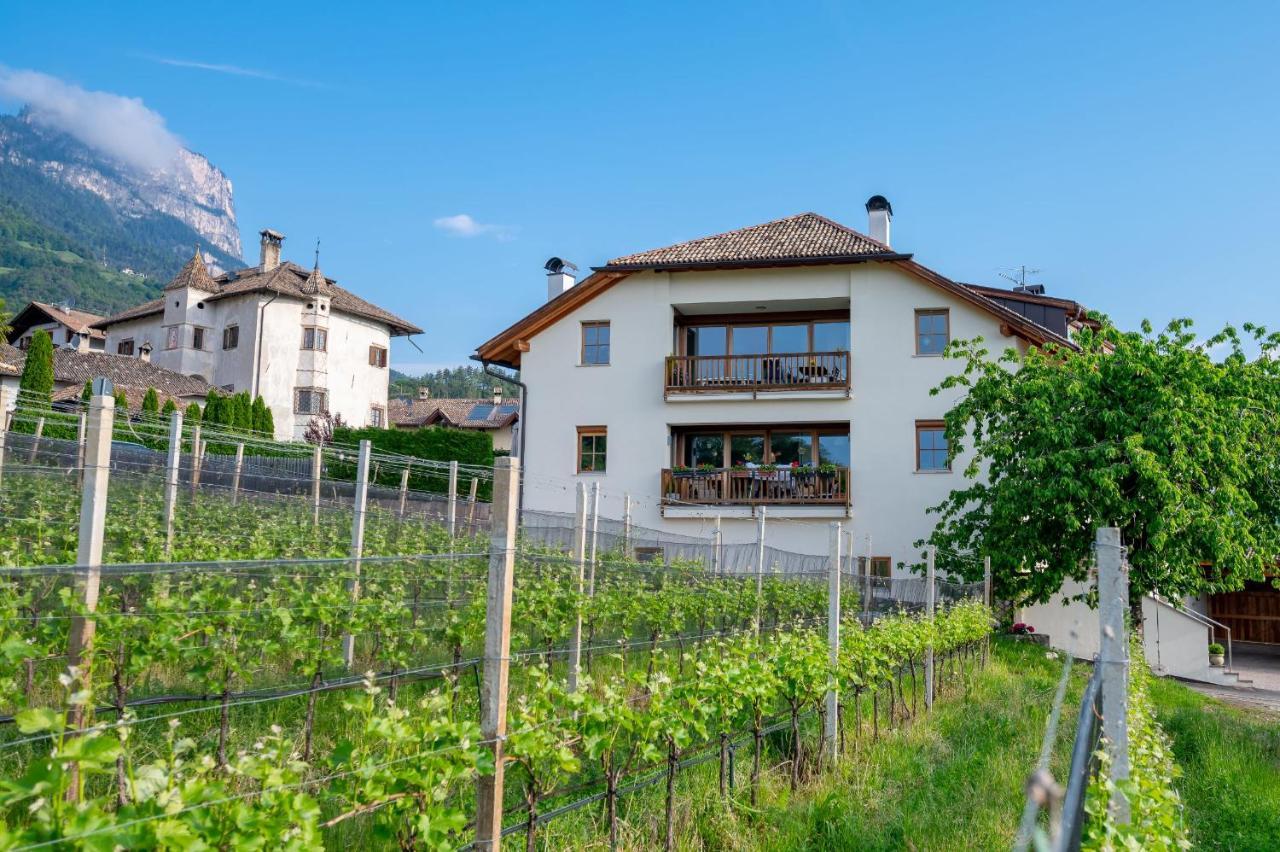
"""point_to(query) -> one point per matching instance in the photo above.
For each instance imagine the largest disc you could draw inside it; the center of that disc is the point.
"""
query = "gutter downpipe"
(524, 397)
(257, 355)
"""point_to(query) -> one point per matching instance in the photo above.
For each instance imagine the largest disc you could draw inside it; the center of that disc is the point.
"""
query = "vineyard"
(252, 682)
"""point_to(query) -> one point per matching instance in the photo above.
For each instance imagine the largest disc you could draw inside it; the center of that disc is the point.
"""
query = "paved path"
(1259, 664)
(1256, 699)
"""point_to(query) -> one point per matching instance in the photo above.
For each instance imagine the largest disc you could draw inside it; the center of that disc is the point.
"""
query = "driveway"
(1257, 663)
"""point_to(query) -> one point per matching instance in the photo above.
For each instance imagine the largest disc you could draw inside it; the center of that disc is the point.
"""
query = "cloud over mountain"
(121, 127)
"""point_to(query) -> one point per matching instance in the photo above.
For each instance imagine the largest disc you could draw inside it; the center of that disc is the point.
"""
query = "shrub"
(1216, 649)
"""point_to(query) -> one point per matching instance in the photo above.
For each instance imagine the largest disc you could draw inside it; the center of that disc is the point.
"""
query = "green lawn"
(1230, 761)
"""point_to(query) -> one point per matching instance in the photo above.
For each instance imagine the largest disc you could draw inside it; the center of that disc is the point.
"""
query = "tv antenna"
(1019, 279)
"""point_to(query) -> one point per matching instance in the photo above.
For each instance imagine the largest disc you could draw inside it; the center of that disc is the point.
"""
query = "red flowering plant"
(1021, 629)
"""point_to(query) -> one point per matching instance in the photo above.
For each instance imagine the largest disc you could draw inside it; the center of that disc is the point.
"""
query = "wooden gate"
(1253, 614)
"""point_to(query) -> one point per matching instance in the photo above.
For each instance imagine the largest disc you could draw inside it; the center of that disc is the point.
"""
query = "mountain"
(465, 382)
(78, 226)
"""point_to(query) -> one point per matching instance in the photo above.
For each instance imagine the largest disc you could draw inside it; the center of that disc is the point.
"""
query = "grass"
(1230, 761)
(950, 780)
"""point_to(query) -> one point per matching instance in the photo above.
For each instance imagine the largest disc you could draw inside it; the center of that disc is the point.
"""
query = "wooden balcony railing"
(749, 373)
(755, 486)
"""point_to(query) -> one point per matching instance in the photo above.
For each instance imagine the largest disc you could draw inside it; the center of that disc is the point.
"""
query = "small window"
(173, 337)
(71, 335)
(931, 446)
(933, 331)
(592, 444)
(231, 337)
(316, 339)
(650, 554)
(377, 356)
(376, 416)
(125, 347)
(197, 338)
(309, 401)
(595, 343)
(881, 566)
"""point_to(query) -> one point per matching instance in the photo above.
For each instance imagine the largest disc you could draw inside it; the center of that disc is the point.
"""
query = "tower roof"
(194, 275)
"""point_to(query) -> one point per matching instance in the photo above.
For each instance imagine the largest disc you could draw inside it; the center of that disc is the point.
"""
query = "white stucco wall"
(890, 392)
(353, 386)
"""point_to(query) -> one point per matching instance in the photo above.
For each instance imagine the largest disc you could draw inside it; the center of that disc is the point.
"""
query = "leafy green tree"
(169, 407)
(122, 400)
(193, 413)
(151, 402)
(36, 383)
(1140, 430)
(263, 422)
(213, 408)
(242, 412)
(86, 393)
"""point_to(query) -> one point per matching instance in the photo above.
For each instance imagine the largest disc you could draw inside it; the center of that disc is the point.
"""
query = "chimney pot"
(269, 256)
(144, 352)
(560, 276)
(879, 217)
(424, 393)
(497, 396)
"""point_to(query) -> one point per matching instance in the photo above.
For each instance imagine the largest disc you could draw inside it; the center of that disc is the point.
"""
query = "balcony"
(692, 492)
(796, 374)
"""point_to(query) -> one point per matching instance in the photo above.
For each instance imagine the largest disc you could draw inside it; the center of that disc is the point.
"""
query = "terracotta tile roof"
(287, 279)
(131, 374)
(193, 274)
(451, 412)
(806, 236)
(77, 321)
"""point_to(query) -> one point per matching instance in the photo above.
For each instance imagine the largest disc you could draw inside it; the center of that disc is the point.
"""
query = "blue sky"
(1126, 150)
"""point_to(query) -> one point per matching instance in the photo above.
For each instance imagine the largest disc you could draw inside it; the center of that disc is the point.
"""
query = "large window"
(933, 331)
(932, 453)
(125, 347)
(806, 446)
(197, 338)
(595, 343)
(763, 338)
(316, 339)
(231, 337)
(377, 416)
(310, 401)
(592, 447)
(881, 566)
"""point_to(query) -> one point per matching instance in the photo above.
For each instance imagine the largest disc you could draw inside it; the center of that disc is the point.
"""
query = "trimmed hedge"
(435, 443)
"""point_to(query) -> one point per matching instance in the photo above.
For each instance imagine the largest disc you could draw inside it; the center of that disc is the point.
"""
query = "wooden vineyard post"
(1113, 657)
(196, 457)
(35, 441)
(626, 526)
(595, 537)
(4, 426)
(497, 651)
(930, 554)
(759, 570)
(93, 516)
(317, 465)
(831, 720)
(235, 474)
(171, 467)
(453, 498)
(986, 599)
(404, 492)
(471, 505)
(357, 546)
(579, 559)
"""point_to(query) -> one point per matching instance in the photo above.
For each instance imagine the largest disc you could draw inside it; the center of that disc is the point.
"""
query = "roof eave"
(680, 266)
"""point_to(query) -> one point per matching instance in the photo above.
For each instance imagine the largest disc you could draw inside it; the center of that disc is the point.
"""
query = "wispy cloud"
(234, 70)
(462, 225)
(119, 126)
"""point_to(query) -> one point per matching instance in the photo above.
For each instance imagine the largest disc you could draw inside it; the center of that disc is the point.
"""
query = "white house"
(277, 330)
(680, 375)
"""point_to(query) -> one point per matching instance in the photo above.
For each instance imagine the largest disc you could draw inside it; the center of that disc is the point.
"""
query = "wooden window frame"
(768, 321)
(232, 333)
(377, 356)
(582, 345)
(197, 337)
(931, 426)
(297, 397)
(883, 560)
(127, 343)
(945, 313)
(378, 415)
(595, 432)
(319, 334)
